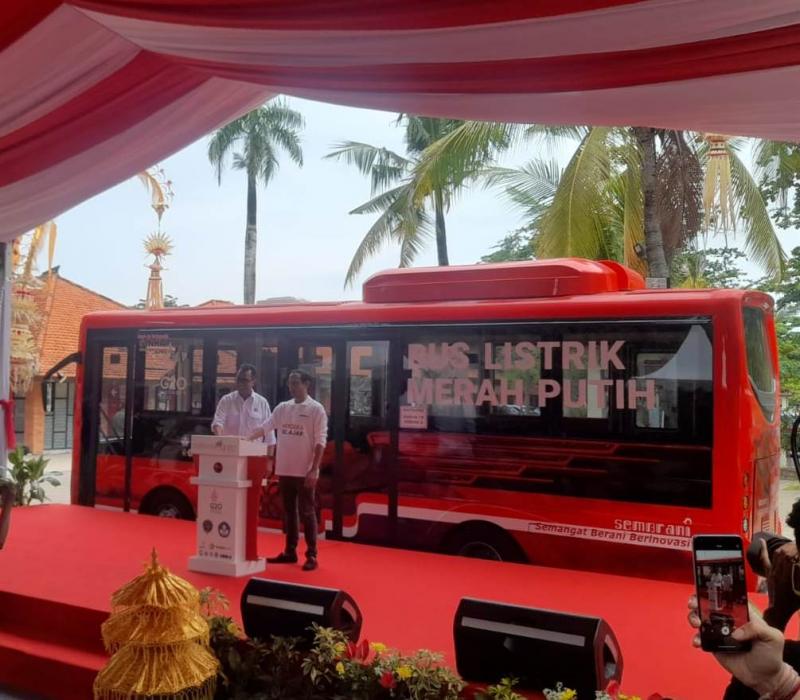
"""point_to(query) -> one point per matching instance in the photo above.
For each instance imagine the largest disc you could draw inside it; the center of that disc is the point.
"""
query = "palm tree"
(257, 138)
(641, 186)
(409, 213)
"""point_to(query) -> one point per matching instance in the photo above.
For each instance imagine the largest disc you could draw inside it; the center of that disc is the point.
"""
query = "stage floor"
(78, 556)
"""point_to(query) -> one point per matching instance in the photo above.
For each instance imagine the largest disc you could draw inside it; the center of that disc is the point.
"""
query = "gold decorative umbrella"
(159, 640)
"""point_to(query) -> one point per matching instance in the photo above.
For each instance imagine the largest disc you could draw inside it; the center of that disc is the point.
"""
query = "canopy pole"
(5, 343)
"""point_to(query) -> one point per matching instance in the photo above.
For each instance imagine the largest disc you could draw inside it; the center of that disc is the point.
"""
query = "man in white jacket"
(302, 427)
(241, 412)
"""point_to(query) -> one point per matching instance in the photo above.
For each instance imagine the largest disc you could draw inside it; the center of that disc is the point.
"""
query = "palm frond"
(414, 240)
(421, 132)
(679, 197)
(380, 202)
(530, 188)
(223, 142)
(761, 241)
(384, 167)
(633, 218)
(571, 225)
(777, 165)
(255, 136)
(460, 156)
(553, 136)
(399, 221)
(278, 112)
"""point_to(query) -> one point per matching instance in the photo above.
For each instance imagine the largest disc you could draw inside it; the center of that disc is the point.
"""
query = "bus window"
(681, 376)
(472, 383)
(267, 384)
(171, 367)
(364, 475)
(227, 365)
(366, 371)
(111, 435)
(584, 393)
(490, 411)
(109, 467)
(317, 360)
(760, 367)
(168, 395)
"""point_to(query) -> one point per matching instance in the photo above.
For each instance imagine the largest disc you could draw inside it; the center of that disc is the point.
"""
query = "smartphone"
(721, 590)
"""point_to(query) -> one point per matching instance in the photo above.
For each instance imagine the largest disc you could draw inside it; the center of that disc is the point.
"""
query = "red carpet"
(61, 564)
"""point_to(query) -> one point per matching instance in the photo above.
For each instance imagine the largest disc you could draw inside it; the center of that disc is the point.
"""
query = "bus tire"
(482, 540)
(167, 503)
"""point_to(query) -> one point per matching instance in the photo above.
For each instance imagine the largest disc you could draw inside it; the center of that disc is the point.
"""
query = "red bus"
(554, 412)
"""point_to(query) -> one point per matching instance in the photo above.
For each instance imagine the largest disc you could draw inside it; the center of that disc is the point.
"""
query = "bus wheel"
(482, 540)
(168, 503)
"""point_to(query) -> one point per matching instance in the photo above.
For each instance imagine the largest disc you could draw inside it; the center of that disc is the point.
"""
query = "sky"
(306, 237)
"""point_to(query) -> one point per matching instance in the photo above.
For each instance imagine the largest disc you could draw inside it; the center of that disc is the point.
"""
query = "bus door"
(106, 447)
(357, 490)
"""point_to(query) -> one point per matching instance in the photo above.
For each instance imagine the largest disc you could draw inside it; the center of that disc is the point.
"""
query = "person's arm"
(267, 426)
(320, 436)
(269, 439)
(783, 601)
(218, 424)
(762, 667)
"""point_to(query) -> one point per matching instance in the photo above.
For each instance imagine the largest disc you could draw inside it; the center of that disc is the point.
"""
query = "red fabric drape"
(110, 107)
(342, 14)
(70, 129)
(7, 405)
(583, 73)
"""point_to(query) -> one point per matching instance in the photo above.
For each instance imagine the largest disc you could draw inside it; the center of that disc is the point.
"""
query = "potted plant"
(27, 474)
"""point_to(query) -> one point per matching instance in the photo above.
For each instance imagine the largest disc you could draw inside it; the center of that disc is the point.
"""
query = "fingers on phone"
(696, 641)
(694, 620)
(692, 602)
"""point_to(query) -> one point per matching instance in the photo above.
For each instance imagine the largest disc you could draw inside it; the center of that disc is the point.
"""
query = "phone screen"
(721, 591)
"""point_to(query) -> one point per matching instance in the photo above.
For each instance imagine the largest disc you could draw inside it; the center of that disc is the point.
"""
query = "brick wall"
(34, 418)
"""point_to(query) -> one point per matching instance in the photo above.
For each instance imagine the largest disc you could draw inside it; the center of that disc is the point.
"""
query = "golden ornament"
(159, 639)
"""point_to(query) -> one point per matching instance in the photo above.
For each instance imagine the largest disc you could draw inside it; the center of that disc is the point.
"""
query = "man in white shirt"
(243, 411)
(302, 427)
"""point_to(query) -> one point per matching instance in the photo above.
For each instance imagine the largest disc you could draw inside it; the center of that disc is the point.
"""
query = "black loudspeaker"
(538, 647)
(289, 609)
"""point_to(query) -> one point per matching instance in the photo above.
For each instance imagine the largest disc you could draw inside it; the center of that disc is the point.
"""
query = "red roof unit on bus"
(557, 277)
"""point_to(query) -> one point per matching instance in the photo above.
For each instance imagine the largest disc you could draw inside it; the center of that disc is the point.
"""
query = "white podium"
(222, 505)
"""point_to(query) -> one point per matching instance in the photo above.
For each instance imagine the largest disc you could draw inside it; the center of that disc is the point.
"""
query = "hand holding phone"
(721, 591)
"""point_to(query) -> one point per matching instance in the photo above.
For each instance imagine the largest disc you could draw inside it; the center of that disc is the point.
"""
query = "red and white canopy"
(93, 91)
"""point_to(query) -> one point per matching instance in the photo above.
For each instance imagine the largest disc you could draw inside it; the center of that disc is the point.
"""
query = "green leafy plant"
(332, 669)
(28, 476)
(504, 690)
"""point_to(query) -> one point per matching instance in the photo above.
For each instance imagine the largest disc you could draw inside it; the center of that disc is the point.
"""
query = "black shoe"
(283, 558)
(311, 564)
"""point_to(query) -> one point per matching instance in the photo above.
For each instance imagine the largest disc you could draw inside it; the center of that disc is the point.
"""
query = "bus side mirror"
(68, 360)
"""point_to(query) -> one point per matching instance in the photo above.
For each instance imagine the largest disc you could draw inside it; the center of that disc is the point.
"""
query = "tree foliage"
(517, 245)
(714, 267)
(787, 326)
(254, 143)
(778, 170)
(410, 203)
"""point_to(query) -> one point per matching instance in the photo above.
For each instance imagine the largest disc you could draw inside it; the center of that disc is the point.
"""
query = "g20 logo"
(173, 384)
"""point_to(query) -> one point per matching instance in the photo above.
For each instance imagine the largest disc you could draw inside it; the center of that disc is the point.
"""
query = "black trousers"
(299, 503)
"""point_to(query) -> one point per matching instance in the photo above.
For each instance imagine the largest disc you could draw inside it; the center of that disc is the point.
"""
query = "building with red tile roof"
(62, 304)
